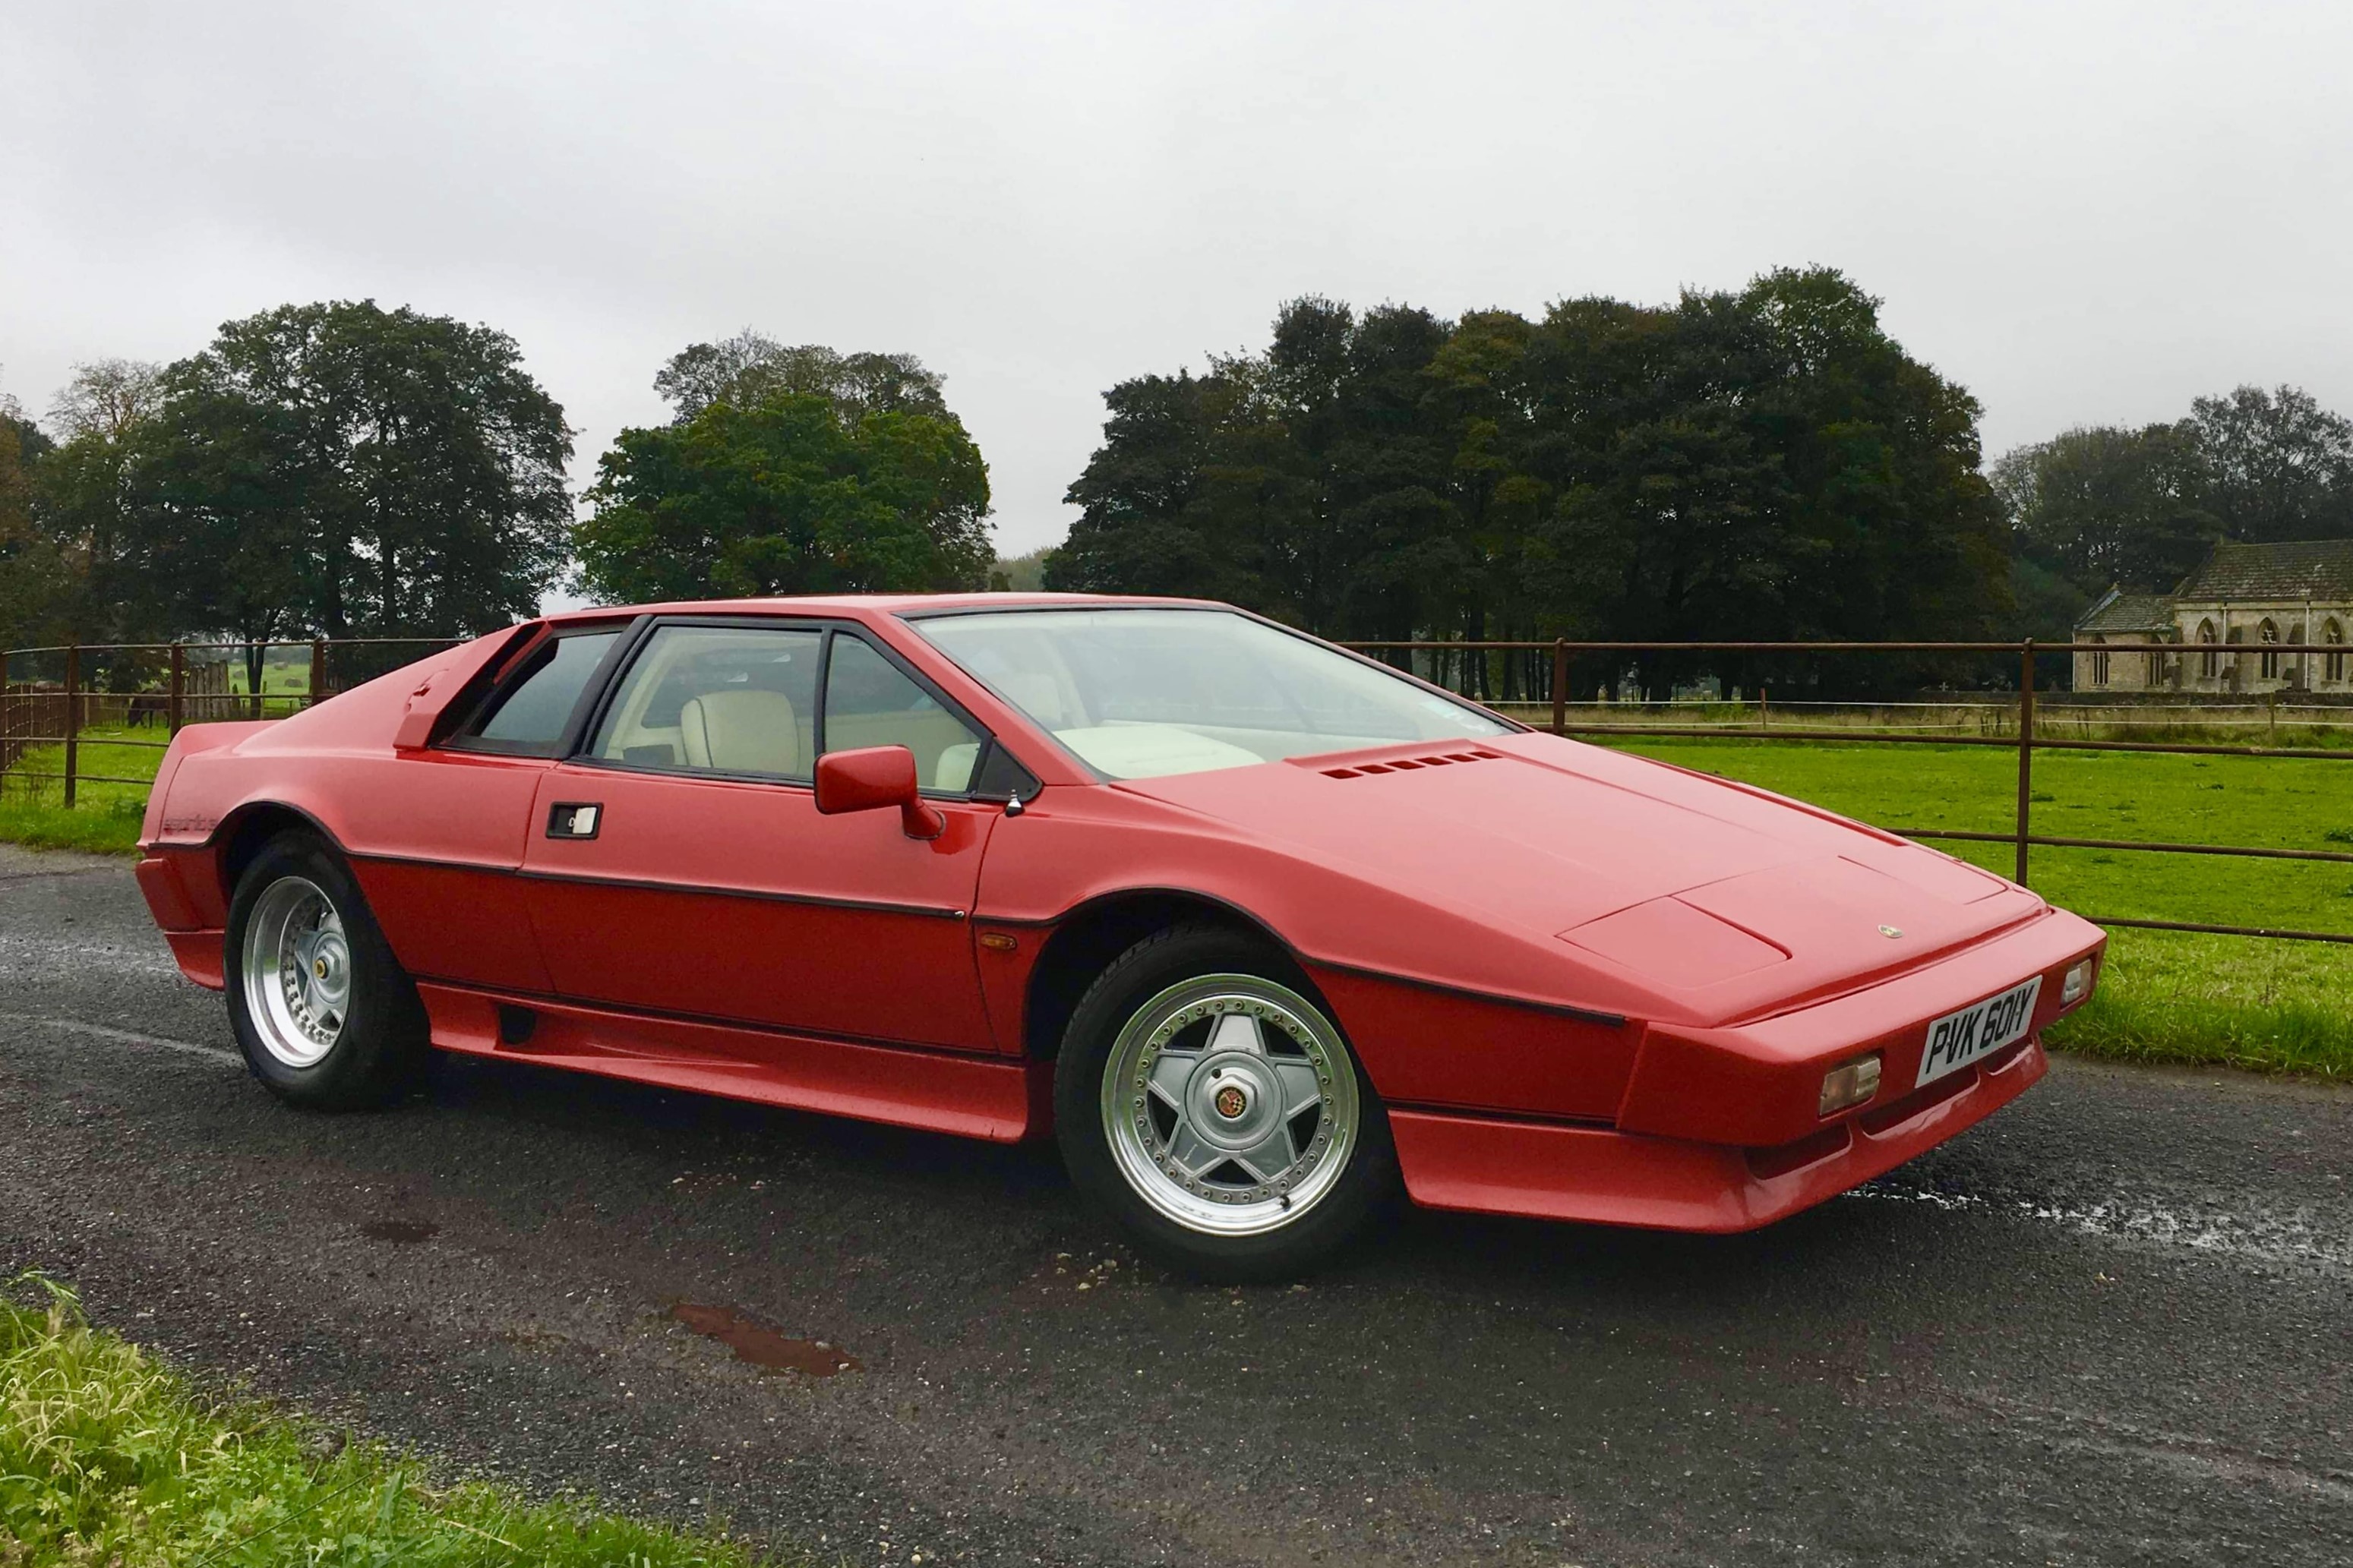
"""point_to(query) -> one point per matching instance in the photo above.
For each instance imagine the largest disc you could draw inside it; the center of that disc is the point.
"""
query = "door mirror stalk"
(872, 777)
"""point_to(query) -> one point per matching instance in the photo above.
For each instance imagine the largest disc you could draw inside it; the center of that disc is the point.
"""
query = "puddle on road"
(400, 1232)
(2260, 1234)
(765, 1348)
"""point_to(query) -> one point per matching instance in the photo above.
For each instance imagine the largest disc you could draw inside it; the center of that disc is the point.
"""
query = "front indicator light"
(1851, 1085)
(2078, 983)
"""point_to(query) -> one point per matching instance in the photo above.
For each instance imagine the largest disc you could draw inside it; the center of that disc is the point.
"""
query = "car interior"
(743, 700)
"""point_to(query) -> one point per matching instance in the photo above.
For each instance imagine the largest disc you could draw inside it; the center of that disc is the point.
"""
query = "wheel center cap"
(1232, 1102)
(319, 968)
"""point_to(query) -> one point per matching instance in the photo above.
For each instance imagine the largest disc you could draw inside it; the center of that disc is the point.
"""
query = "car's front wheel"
(1214, 1108)
(324, 1013)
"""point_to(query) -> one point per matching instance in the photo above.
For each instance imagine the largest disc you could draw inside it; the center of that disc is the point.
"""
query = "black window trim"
(606, 686)
(504, 679)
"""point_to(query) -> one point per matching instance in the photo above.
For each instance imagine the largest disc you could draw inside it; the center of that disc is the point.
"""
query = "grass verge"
(109, 827)
(106, 1458)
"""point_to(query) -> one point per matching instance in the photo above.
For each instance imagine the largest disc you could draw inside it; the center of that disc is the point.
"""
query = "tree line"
(1765, 464)
(1762, 464)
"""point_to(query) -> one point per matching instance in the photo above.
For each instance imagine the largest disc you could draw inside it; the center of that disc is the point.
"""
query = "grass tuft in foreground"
(107, 1459)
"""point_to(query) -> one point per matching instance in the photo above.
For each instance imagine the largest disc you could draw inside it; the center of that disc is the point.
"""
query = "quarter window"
(530, 716)
(869, 701)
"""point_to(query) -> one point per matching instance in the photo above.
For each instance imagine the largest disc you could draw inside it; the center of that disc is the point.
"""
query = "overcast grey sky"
(2084, 213)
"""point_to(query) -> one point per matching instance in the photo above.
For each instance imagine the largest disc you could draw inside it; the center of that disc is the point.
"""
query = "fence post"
(1560, 686)
(318, 671)
(73, 715)
(177, 704)
(2025, 750)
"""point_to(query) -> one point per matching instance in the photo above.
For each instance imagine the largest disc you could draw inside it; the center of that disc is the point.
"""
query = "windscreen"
(1146, 693)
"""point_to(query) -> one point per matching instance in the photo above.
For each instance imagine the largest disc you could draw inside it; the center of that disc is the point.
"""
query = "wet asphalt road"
(2113, 1325)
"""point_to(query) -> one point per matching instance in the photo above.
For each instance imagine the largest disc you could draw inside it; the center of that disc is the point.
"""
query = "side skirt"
(937, 1091)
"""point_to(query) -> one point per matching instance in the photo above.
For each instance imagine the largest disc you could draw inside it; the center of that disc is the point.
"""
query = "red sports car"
(1261, 929)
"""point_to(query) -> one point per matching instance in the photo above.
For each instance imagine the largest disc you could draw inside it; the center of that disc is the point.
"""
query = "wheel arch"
(243, 832)
(1092, 934)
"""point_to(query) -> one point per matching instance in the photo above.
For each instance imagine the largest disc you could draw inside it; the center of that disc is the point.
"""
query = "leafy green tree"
(787, 495)
(430, 464)
(85, 497)
(1147, 523)
(751, 367)
(224, 535)
(2097, 507)
(35, 581)
(333, 470)
(2278, 466)
(1763, 464)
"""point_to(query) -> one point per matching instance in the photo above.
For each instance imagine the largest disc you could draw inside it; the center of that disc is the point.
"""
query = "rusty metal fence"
(2023, 738)
(168, 685)
(53, 696)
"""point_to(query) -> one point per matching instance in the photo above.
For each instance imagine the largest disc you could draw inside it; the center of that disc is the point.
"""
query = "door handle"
(575, 819)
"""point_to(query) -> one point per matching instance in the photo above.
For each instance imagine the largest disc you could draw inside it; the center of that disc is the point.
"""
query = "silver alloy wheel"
(297, 972)
(1231, 1104)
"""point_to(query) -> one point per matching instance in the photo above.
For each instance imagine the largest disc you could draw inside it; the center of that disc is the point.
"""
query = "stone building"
(2225, 616)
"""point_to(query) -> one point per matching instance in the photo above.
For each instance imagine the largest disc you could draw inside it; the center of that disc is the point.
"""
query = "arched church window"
(2210, 663)
(2268, 633)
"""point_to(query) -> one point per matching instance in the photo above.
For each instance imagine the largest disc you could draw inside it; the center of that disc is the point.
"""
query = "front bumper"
(1719, 1128)
(1603, 1176)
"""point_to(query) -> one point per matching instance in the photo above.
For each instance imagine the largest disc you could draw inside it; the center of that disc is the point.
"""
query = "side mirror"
(872, 777)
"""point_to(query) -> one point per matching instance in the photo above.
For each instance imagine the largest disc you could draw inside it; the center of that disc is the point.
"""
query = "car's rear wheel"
(1213, 1106)
(321, 1010)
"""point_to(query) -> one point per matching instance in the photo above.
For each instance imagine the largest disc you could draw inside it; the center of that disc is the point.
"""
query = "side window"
(724, 699)
(530, 715)
(869, 702)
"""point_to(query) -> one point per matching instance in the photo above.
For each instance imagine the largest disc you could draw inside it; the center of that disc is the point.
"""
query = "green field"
(2276, 1005)
(104, 819)
(2167, 995)
(106, 1459)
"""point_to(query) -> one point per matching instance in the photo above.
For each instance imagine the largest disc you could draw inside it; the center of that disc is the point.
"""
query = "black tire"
(1140, 979)
(379, 1049)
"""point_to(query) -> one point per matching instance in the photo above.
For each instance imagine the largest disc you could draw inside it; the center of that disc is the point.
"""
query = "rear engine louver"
(1408, 764)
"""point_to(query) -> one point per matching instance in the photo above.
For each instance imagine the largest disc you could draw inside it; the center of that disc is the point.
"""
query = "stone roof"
(2117, 611)
(2311, 569)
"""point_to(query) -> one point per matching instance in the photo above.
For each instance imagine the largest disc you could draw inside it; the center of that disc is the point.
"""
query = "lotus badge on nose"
(1891, 932)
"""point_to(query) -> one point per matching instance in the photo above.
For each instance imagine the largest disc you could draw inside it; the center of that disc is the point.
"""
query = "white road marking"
(123, 1037)
(2298, 1235)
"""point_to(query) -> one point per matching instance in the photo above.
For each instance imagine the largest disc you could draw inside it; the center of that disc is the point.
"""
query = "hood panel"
(1838, 915)
(1676, 944)
(1766, 898)
(1532, 845)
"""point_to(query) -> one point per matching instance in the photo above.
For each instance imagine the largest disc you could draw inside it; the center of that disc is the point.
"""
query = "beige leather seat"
(1042, 697)
(747, 731)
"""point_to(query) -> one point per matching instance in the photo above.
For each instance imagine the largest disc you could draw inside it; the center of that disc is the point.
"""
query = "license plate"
(1956, 1039)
